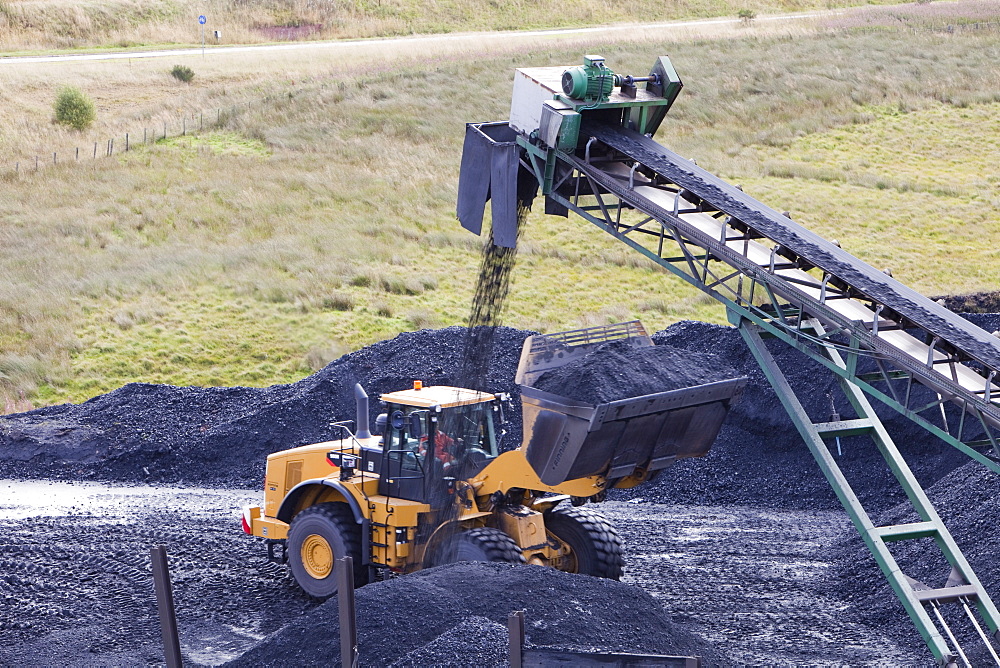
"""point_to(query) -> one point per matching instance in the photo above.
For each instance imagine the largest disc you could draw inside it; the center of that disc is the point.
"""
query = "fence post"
(36, 163)
(164, 129)
(17, 167)
(515, 638)
(184, 126)
(54, 158)
(348, 615)
(165, 606)
(111, 146)
(218, 116)
(126, 142)
(144, 136)
(201, 121)
(78, 154)
(95, 150)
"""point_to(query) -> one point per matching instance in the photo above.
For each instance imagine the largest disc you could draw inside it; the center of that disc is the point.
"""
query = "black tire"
(482, 544)
(596, 547)
(318, 536)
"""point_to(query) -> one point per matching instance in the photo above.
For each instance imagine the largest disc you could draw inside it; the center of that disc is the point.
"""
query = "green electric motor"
(590, 81)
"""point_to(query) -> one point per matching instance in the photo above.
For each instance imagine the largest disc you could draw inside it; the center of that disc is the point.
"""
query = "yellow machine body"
(304, 476)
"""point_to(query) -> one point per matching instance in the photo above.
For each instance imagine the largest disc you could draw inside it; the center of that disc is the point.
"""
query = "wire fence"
(182, 126)
(196, 122)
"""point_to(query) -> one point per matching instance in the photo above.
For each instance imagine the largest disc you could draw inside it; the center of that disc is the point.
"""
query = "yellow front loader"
(430, 487)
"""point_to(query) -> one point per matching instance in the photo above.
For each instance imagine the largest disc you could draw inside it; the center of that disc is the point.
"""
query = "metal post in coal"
(165, 606)
(515, 635)
(348, 614)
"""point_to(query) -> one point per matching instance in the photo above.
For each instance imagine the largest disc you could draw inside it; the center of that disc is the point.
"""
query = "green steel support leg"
(964, 587)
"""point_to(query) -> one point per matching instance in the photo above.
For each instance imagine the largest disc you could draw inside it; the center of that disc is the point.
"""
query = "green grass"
(324, 221)
(219, 143)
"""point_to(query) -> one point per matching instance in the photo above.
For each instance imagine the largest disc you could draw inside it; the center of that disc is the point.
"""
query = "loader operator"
(444, 449)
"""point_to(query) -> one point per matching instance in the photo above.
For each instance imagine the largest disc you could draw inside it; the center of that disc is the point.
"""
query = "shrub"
(746, 16)
(182, 73)
(74, 108)
(382, 308)
(338, 301)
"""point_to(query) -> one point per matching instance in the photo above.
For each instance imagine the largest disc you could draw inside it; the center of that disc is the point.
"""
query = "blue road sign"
(202, 19)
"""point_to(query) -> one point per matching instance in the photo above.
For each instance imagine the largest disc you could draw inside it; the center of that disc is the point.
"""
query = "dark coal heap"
(759, 457)
(617, 370)
(456, 615)
(221, 436)
(968, 501)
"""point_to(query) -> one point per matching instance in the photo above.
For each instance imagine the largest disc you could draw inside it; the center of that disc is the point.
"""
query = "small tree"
(747, 16)
(182, 73)
(74, 108)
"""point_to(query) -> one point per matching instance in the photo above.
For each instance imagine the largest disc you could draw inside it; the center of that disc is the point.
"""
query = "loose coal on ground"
(616, 370)
(428, 614)
(747, 583)
(968, 501)
(76, 585)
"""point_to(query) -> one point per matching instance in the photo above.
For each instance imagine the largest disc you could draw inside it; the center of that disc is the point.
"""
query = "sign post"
(202, 20)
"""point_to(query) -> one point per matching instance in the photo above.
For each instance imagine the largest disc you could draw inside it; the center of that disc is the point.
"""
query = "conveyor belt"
(885, 307)
(864, 278)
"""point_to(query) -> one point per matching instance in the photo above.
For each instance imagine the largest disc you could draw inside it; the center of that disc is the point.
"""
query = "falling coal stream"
(488, 303)
(487, 307)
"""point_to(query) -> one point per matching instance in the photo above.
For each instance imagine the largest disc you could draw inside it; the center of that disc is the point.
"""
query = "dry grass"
(66, 24)
(324, 220)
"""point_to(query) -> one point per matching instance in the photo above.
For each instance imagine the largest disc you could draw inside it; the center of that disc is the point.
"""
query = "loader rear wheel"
(595, 548)
(318, 536)
(482, 544)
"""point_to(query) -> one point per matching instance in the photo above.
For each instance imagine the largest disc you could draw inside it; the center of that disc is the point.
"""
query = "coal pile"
(968, 501)
(456, 615)
(221, 436)
(617, 370)
(759, 457)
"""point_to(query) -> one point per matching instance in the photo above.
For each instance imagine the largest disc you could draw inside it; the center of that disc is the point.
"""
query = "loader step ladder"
(777, 278)
(920, 600)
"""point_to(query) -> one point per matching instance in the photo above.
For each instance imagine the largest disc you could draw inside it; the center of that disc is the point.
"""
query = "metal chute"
(491, 172)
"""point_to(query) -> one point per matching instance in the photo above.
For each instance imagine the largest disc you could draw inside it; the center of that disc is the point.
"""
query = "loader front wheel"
(482, 544)
(317, 538)
(594, 546)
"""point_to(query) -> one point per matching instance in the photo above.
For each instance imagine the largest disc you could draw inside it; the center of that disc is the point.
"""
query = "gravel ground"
(737, 585)
(76, 584)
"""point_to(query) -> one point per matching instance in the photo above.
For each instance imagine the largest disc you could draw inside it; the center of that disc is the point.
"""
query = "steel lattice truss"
(942, 385)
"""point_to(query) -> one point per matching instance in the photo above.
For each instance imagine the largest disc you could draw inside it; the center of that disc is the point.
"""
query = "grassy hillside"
(67, 24)
(323, 220)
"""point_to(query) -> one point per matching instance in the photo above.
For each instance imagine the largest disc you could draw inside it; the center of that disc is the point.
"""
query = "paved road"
(436, 39)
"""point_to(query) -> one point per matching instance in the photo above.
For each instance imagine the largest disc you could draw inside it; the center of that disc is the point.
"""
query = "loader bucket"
(566, 439)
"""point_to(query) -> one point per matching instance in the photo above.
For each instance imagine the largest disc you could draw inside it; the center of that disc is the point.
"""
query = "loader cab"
(434, 436)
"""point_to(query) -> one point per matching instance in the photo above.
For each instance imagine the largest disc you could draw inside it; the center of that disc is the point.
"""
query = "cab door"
(404, 471)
